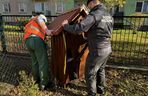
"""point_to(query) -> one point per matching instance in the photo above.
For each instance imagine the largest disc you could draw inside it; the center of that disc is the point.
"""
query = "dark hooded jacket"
(98, 24)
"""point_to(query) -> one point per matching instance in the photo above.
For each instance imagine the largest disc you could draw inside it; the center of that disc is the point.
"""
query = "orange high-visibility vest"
(33, 28)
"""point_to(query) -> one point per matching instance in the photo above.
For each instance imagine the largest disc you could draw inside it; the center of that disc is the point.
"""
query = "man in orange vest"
(34, 36)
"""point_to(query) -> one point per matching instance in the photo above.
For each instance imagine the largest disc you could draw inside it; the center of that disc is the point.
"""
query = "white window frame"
(59, 7)
(22, 6)
(142, 9)
(8, 7)
(42, 7)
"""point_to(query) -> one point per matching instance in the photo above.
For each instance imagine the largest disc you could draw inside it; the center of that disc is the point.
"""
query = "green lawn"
(119, 83)
(127, 45)
(128, 36)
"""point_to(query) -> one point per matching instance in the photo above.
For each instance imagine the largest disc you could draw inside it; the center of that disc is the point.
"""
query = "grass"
(128, 83)
(119, 83)
(126, 45)
(127, 36)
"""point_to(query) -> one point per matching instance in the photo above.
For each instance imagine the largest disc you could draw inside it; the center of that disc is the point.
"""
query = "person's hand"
(64, 22)
(49, 32)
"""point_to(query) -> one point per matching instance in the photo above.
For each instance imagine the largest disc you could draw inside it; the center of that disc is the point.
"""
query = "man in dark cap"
(99, 25)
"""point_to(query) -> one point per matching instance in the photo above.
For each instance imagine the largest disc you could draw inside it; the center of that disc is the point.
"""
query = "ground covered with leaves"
(119, 83)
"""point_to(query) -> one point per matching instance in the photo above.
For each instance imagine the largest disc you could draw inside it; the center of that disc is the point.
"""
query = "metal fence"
(129, 44)
(130, 41)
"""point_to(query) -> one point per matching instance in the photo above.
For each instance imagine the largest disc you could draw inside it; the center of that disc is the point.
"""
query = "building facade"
(135, 6)
(27, 7)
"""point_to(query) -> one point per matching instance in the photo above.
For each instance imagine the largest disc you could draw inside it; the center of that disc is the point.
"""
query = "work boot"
(42, 87)
(4, 51)
(92, 94)
(100, 90)
(46, 87)
(51, 86)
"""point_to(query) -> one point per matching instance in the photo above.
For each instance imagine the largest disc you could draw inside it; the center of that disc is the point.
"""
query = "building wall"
(15, 8)
(130, 7)
(51, 6)
(30, 6)
(69, 4)
(1, 5)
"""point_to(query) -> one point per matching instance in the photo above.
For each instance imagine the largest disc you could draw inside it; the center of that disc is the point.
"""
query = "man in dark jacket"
(99, 25)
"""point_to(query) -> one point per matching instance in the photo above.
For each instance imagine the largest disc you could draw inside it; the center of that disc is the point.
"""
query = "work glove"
(49, 32)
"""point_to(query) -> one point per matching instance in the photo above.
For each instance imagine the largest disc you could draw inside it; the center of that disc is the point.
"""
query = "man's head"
(92, 3)
(43, 17)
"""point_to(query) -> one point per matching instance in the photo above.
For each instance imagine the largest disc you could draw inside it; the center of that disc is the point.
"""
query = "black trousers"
(95, 69)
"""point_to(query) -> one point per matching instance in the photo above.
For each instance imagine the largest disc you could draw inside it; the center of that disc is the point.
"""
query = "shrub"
(22, 22)
(27, 86)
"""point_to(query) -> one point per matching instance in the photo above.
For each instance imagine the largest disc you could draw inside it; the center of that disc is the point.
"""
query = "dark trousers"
(40, 65)
(95, 69)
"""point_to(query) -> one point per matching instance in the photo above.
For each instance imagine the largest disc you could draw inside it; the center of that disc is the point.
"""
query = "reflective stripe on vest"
(34, 28)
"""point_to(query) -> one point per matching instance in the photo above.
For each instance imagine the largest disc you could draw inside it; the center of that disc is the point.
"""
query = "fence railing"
(12, 32)
(129, 42)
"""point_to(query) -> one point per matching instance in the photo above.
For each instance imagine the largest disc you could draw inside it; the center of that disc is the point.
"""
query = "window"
(142, 6)
(6, 7)
(39, 7)
(145, 6)
(22, 7)
(59, 7)
(139, 6)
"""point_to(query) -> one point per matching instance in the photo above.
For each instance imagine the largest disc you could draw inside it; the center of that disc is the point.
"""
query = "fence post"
(2, 35)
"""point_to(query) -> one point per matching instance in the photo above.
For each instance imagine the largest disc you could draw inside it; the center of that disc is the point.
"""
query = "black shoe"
(100, 90)
(42, 87)
(92, 94)
(4, 51)
(51, 85)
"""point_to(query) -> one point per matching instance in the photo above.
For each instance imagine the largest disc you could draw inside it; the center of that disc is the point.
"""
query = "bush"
(22, 22)
(27, 86)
